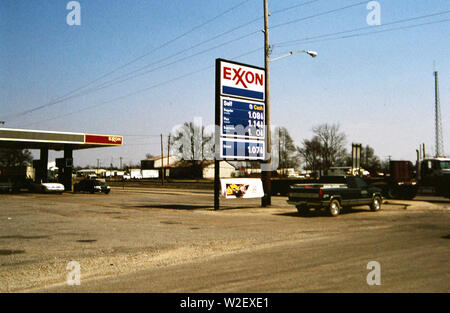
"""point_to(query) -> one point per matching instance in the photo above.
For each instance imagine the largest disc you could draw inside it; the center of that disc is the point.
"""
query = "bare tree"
(333, 145)
(191, 144)
(311, 153)
(287, 157)
(325, 149)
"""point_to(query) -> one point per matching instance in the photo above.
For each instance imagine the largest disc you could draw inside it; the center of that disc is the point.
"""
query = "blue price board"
(239, 149)
(242, 119)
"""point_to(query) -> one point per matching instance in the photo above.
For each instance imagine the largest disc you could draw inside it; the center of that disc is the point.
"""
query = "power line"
(211, 67)
(119, 79)
(293, 7)
(129, 75)
(59, 99)
(203, 42)
(375, 32)
(213, 38)
(176, 61)
(143, 90)
(317, 15)
(286, 43)
(250, 52)
(127, 95)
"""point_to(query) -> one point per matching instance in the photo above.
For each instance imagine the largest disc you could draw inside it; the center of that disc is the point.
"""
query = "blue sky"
(379, 87)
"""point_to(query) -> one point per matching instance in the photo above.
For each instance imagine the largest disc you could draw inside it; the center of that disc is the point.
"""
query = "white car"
(48, 187)
(52, 187)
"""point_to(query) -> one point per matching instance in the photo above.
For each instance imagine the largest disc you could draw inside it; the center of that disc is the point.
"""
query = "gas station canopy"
(48, 140)
(40, 139)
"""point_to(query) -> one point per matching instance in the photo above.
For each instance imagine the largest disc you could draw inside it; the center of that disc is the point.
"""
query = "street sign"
(242, 81)
(242, 149)
(242, 118)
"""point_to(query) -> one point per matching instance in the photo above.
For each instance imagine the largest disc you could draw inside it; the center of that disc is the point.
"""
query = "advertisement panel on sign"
(242, 81)
(243, 188)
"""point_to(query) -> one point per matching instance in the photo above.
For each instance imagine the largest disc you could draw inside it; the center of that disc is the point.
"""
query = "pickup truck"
(334, 193)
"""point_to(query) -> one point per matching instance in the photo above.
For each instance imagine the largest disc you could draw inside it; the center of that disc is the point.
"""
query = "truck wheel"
(376, 204)
(335, 207)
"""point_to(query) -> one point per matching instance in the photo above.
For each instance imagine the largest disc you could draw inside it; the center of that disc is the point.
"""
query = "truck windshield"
(444, 165)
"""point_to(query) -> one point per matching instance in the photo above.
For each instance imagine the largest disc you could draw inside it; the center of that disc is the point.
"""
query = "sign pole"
(217, 141)
(265, 175)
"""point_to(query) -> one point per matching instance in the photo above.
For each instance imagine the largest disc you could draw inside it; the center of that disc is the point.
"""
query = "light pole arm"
(311, 53)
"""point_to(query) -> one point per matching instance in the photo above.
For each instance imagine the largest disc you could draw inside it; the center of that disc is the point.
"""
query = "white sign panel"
(242, 81)
(243, 188)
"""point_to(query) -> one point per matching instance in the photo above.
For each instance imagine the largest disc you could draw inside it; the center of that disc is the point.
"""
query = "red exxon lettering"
(243, 77)
(227, 73)
(239, 77)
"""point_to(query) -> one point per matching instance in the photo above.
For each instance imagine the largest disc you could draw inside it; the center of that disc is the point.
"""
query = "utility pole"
(203, 158)
(168, 151)
(438, 122)
(120, 163)
(265, 175)
(279, 148)
(162, 161)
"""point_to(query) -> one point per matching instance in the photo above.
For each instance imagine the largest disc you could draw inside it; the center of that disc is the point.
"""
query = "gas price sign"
(242, 119)
(240, 110)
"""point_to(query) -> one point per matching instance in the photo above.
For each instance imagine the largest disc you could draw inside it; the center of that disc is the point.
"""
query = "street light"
(310, 52)
(266, 200)
(265, 175)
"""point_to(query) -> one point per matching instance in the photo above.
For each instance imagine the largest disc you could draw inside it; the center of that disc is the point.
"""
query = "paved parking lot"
(165, 240)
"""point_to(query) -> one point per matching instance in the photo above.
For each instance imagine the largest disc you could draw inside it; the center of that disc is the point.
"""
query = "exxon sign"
(242, 81)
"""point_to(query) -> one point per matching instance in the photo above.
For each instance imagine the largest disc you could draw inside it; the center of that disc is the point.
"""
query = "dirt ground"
(137, 229)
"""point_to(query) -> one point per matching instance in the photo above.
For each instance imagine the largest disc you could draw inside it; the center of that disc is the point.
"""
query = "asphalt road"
(145, 240)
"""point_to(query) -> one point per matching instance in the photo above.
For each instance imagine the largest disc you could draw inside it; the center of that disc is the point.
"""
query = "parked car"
(92, 186)
(46, 187)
